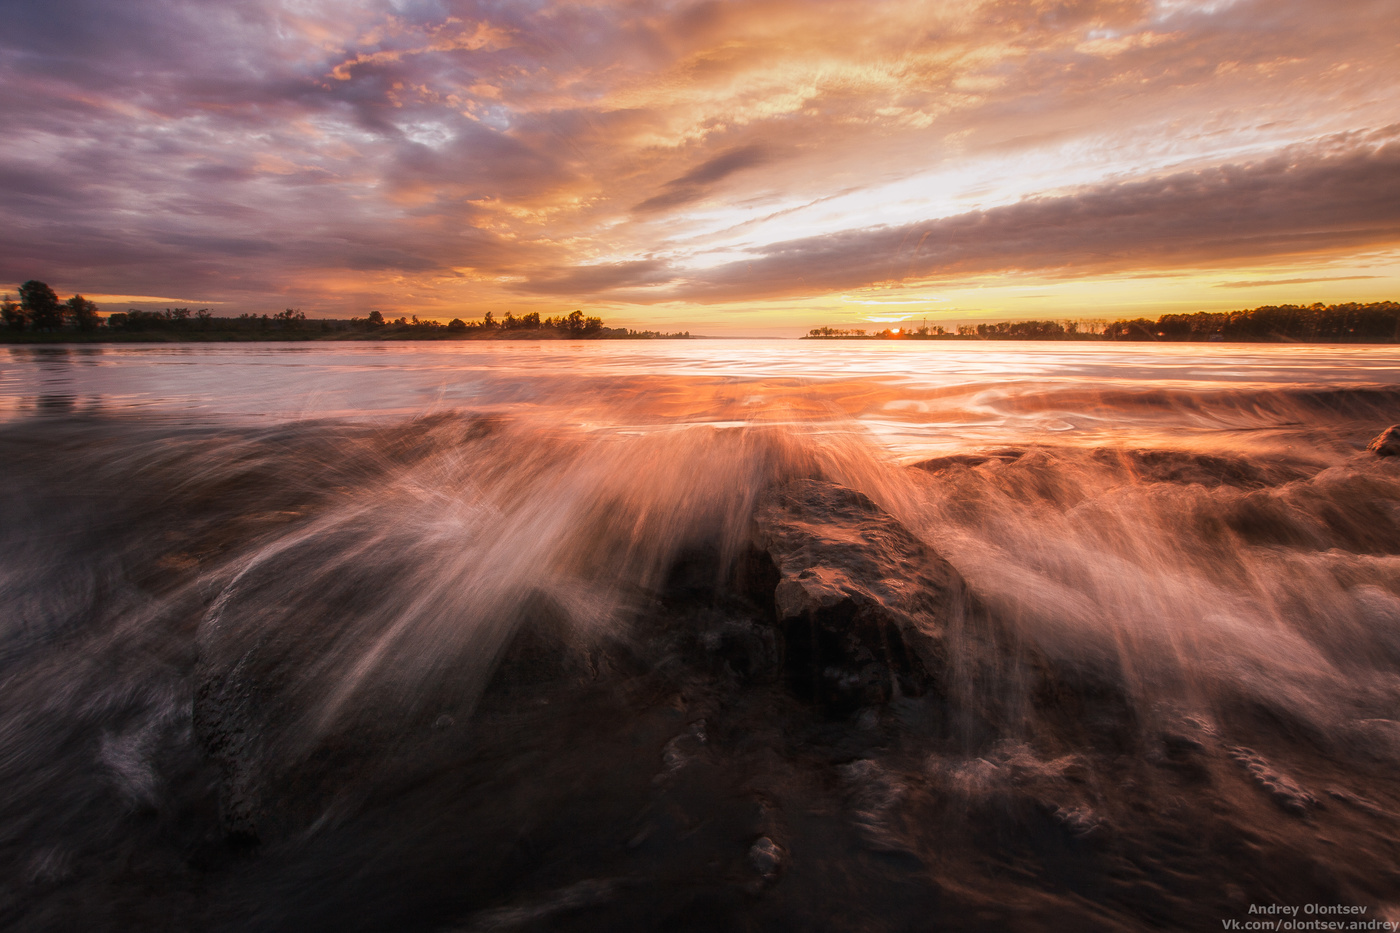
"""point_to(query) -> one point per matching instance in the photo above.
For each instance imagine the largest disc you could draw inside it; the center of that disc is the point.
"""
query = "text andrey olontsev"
(1290, 912)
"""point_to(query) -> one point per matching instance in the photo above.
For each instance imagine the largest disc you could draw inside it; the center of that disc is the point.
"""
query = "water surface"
(702, 635)
(914, 396)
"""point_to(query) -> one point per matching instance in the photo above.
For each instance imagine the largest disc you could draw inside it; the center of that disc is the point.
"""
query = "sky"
(755, 167)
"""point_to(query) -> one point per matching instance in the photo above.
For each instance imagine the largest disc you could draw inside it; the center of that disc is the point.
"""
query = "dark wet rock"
(269, 783)
(229, 734)
(1350, 507)
(1078, 821)
(938, 464)
(1281, 788)
(1085, 701)
(767, 858)
(281, 770)
(1387, 443)
(1182, 751)
(1186, 467)
(682, 750)
(715, 613)
(875, 796)
(542, 650)
(1359, 802)
(862, 604)
(1142, 465)
(1180, 745)
(1373, 739)
(741, 648)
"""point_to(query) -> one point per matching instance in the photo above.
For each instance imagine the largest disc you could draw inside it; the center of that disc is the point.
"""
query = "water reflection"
(53, 385)
(915, 398)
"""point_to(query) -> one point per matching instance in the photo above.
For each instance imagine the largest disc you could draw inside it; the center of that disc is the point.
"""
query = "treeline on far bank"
(39, 316)
(1377, 322)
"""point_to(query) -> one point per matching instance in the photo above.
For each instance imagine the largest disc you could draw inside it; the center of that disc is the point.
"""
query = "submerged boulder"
(1387, 443)
(863, 606)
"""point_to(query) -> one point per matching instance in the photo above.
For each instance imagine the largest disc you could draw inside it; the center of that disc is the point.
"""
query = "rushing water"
(543, 635)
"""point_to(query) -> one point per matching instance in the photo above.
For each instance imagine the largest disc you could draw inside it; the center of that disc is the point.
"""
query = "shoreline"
(334, 337)
(22, 340)
(1098, 338)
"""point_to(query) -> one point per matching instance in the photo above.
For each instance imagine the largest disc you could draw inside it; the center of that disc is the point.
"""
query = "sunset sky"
(719, 167)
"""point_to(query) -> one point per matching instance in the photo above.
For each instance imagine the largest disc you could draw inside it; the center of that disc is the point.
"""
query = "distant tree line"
(41, 316)
(182, 320)
(1377, 322)
(1019, 330)
(39, 310)
(574, 324)
(1026, 330)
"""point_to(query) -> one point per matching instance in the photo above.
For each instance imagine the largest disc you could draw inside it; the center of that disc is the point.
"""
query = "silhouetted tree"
(81, 313)
(290, 319)
(1022, 330)
(40, 305)
(12, 315)
(375, 319)
(1136, 329)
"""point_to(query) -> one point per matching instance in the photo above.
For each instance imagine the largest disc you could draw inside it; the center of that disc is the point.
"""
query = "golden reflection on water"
(915, 398)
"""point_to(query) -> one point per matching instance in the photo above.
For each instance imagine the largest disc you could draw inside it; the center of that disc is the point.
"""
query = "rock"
(745, 650)
(229, 735)
(281, 762)
(540, 651)
(1284, 791)
(1184, 467)
(1387, 443)
(939, 464)
(1084, 700)
(863, 605)
(874, 797)
(767, 858)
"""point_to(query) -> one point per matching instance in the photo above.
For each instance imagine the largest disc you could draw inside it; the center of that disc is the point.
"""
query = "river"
(696, 634)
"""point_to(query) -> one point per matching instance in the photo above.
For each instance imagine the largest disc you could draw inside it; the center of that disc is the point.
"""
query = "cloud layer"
(457, 157)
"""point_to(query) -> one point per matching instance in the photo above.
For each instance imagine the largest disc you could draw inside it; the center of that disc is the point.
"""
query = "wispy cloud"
(1296, 204)
(696, 183)
(1260, 283)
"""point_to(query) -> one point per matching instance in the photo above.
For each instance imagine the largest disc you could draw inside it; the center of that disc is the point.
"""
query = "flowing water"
(502, 636)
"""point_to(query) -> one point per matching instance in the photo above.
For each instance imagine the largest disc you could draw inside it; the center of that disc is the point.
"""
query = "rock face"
(863, 606)
(277, 774)
(229, 734)
(939, 464)
(1387, 443)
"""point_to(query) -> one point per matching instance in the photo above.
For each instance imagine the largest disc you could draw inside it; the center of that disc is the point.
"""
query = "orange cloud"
(708, 155)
